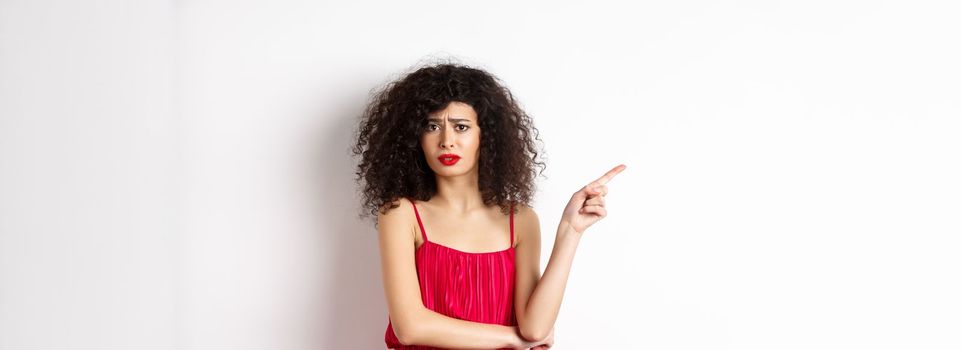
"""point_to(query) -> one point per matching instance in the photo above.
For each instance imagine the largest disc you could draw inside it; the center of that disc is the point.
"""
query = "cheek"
(424, 142)
(476, 142)
(476, 145)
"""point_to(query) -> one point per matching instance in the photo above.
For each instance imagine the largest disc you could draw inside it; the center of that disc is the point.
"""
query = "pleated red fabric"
(476, 287)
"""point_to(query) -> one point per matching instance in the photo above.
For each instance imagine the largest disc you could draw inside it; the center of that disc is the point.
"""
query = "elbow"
(405, 334)
(409, 326)
(533, 334)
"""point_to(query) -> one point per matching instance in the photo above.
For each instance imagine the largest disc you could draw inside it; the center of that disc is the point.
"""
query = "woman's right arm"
(413, 323)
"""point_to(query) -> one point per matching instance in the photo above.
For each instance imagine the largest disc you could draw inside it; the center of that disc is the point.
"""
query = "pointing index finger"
(610, 174)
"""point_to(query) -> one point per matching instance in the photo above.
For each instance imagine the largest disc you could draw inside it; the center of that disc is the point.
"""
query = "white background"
(176, 175)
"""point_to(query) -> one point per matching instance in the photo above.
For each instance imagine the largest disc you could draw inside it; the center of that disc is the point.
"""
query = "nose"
(446, 139)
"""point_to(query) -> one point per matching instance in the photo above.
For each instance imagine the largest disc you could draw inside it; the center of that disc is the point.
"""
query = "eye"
(430, 126)
(465, 127)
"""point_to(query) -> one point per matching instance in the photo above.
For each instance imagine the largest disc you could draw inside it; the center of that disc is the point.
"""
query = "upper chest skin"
(485, 230)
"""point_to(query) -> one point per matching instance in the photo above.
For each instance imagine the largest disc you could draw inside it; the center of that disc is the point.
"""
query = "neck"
(460, 194)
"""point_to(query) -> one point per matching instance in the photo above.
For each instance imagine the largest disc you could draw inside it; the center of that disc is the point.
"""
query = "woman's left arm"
(538, 298)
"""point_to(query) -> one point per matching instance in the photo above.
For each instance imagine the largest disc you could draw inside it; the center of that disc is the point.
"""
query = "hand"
(587, 205)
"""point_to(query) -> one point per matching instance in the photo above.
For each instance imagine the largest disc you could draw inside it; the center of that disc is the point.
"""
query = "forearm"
(545, 300)
(437, 330)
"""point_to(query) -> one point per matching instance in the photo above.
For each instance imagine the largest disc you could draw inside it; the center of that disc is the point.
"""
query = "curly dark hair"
(393, 164)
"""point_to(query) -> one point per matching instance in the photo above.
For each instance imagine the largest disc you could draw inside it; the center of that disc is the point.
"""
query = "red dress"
(476, 287)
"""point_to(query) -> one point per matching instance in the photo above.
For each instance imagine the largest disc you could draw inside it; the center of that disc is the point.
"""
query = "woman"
(448, 164)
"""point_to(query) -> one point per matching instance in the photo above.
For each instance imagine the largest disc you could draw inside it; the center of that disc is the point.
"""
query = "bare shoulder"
(526, 222)
(398, 219)
(524, 212)
(395, 208)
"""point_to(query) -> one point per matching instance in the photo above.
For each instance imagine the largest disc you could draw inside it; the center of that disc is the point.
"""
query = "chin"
(449, 172)
(456, 170)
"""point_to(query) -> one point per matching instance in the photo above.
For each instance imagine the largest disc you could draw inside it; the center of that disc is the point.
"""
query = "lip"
(448, 159)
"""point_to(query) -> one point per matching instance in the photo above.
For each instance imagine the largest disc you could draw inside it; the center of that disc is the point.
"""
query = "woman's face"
(451, 140)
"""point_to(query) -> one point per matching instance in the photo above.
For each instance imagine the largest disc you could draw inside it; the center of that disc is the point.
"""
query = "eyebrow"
(451, 119)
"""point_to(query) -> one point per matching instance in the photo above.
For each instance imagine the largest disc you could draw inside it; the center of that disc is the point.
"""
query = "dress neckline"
(463, 252)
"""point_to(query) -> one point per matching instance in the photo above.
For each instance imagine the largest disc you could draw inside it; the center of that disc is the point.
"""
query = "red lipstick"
(448, 159)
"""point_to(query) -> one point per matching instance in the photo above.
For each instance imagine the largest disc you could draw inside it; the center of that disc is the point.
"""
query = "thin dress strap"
(423, 233)
(512, 224)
